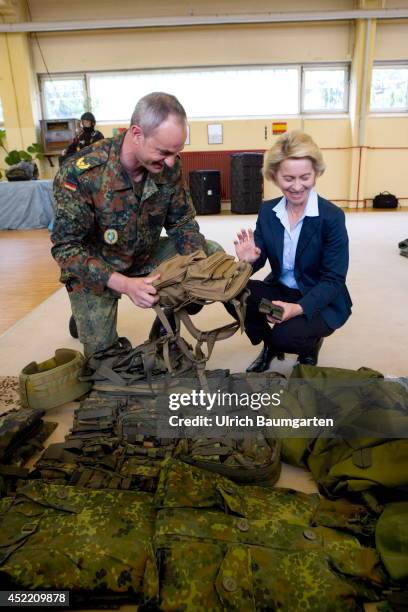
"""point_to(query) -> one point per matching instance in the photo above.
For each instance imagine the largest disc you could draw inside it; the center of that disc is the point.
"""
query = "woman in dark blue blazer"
(304, 238)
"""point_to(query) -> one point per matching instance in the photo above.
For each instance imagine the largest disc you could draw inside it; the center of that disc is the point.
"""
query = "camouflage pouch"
(22, 433)
(252, 460)
(252, 457)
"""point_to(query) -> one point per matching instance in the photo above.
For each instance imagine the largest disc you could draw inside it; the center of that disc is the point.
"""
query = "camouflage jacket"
(221, 546)
(101, 226)
(71, 538)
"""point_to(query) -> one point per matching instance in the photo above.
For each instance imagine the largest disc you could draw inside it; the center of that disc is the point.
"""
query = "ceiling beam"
(204, 20)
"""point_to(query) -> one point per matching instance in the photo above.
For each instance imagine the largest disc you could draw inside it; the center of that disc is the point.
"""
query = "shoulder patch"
(82, 164)
(90, 160)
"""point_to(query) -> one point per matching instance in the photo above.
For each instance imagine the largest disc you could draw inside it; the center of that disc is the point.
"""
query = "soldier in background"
(87, 136)
(111, 205)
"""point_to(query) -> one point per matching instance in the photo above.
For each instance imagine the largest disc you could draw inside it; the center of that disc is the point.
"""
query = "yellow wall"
(223, 45)
(198, 46)
(18, 92)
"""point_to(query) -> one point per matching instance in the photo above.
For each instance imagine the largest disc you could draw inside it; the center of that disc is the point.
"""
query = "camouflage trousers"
(96, 315)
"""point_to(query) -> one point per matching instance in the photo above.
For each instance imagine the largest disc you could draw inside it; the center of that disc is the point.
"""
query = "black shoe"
(158, 330)
(311, 358)
(73, 329)
(263, 361)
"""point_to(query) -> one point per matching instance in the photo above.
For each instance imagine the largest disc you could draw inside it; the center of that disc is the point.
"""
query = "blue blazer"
(321, 261)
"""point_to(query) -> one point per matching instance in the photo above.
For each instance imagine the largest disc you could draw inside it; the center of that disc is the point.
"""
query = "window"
(325, 89)
(389, 89)
(63, 97)
(1, 113)
(206, 93)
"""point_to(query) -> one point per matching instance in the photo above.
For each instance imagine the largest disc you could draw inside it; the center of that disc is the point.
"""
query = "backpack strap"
(210, 337)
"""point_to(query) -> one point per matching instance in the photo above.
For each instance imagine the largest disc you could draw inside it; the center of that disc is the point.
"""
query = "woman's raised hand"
(245, 246)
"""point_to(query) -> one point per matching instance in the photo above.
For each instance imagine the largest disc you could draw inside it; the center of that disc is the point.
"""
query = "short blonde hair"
(295, 145)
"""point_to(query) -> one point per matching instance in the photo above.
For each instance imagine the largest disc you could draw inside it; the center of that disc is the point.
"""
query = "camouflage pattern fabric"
(9, 395)
(69, 538)
(224, 547)
(101, 226)
(21, 434)
(202, 543)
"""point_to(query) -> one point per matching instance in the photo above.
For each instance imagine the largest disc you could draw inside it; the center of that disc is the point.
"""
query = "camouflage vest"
(121, 436)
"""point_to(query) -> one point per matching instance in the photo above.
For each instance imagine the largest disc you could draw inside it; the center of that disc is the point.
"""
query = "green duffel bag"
(367, 449)
(53, 382)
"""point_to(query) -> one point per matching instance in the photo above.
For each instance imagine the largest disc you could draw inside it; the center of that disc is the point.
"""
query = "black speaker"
(205, 189)
(246, 182)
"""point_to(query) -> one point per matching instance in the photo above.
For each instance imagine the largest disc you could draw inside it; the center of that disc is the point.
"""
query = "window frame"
(326, 66)
(301, 68)
(63, 76)
(387, 65)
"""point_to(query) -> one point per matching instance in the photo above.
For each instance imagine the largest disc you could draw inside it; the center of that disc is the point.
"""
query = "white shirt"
(291, 237)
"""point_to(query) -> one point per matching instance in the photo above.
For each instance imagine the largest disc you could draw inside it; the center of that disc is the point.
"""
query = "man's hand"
(245, 246)
(289, 311)
(139, 290)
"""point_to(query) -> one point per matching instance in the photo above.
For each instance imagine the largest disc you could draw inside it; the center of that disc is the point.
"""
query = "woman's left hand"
(289, 311)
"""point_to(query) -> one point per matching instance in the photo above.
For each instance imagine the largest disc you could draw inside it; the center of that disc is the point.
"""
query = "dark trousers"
(298, 335)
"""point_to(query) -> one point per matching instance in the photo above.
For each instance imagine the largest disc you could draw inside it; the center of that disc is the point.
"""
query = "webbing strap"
(163, 319)
(209, 337)
(110, 374)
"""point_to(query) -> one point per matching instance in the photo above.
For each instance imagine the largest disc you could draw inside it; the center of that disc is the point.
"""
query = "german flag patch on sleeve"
(70, 186)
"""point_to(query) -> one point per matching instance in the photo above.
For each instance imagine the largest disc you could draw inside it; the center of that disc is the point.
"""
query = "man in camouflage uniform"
(111, 205)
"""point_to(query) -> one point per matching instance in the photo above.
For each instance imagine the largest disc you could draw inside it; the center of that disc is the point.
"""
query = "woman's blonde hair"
(295, 144)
